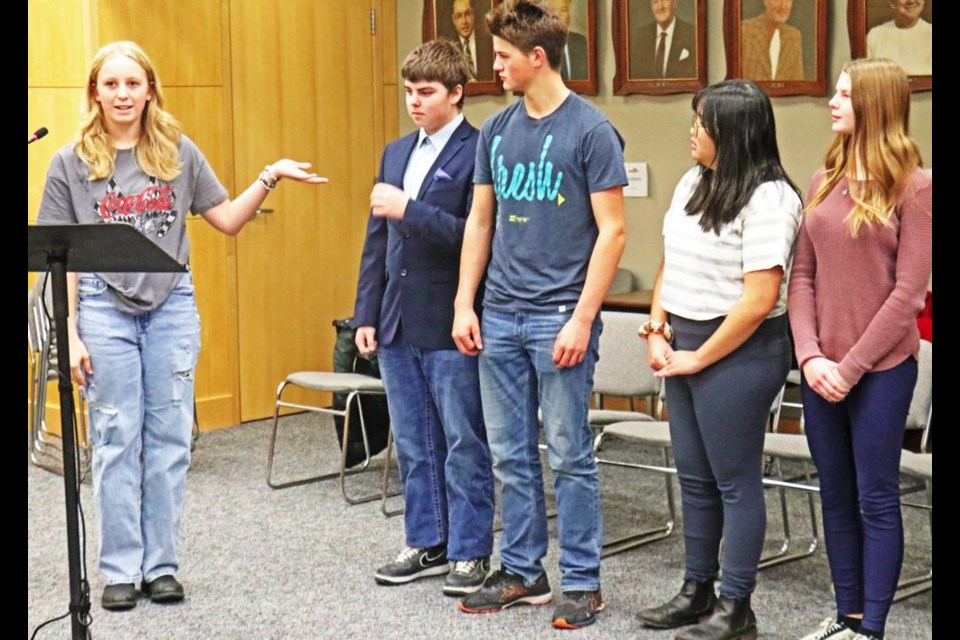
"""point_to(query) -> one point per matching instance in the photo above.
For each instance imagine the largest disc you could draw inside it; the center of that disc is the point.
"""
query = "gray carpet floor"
(297, 563)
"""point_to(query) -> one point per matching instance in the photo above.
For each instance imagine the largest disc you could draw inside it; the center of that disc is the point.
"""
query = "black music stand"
(83, 247)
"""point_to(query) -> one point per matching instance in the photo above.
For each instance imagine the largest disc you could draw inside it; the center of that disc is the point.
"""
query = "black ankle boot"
(731, 619)
(695, 599)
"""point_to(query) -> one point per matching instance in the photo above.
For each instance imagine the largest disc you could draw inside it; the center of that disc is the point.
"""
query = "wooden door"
(304, 77)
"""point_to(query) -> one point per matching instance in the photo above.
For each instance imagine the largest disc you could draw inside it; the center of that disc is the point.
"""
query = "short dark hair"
(437, 61)
(738, 116)
(530, 23)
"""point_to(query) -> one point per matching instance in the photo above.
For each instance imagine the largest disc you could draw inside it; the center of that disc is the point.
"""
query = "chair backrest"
(622, 282)
(622, 368)
(922, 399)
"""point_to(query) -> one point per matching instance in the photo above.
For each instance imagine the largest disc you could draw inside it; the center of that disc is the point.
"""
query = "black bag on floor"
(347, 359)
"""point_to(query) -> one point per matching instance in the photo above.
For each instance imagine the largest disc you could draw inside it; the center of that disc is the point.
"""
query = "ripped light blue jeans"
(140, 399)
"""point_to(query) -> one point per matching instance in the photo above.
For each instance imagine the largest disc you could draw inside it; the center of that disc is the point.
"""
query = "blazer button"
(406, 235)
(403, 273)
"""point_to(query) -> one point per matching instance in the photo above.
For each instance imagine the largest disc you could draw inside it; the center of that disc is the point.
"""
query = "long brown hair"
(157, 151)
(880, 154)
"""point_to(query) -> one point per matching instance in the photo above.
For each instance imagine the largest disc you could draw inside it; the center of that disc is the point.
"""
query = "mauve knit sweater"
(856, 300)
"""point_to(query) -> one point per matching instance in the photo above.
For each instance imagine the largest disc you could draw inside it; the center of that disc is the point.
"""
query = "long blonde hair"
(156, 152)
(880, 148)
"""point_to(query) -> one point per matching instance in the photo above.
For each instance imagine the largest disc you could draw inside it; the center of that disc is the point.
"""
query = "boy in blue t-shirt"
(547, 215)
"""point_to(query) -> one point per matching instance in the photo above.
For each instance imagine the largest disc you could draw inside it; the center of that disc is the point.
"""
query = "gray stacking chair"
(920, 465)
(651, 431)
(46, 448)
(623, 281)
(777, 446)
(356, 385)
(622, 370)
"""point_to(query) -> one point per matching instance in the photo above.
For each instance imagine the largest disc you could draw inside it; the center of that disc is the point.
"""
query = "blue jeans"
(517, 374)
(441, 442)
(856, 446)
(141, 414)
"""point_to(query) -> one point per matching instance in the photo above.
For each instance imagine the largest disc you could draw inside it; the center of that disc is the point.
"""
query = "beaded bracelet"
(652, 326)
(267, 179)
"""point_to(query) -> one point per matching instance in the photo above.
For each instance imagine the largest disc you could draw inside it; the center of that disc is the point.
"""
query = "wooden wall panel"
(301, 86)
(60, 41)
(214, 262)
(57, 109)
(201, 112)
(183, 39)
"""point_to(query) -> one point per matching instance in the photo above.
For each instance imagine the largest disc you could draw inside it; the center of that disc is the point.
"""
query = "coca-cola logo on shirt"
(152, 200)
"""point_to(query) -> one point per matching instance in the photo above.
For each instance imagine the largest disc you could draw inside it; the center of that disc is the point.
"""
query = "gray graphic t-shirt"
(543, 172)
(155, 208)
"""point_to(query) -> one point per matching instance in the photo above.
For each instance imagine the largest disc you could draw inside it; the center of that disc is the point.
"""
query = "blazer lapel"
(450, 150)
(394, 172)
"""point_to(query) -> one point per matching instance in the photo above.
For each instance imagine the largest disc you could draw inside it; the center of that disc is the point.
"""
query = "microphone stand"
(83, 247)
(79, 592)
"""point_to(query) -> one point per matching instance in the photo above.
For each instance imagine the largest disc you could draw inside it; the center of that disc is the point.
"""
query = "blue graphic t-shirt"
(543, 172)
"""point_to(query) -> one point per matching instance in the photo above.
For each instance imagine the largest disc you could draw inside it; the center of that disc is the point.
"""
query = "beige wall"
(656, 128)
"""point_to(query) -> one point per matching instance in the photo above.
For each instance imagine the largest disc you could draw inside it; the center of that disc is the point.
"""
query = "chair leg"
(910, 587)
(782, 555)
(385, 485)
(645, 536)
(343, 452)
(272, 449)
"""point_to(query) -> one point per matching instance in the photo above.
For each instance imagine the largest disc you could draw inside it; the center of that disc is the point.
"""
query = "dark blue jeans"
(856, 446)
(717, 422)
(437, 422)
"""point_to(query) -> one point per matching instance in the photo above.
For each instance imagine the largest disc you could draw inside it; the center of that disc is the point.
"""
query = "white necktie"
(774, 53)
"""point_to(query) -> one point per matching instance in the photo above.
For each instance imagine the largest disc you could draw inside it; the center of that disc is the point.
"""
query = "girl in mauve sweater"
(859, 279)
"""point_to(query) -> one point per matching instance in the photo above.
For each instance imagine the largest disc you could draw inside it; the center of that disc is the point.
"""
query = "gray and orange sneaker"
(504, 589)
(577, 609)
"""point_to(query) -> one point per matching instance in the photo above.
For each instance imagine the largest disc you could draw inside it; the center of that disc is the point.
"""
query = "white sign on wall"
(637, 176)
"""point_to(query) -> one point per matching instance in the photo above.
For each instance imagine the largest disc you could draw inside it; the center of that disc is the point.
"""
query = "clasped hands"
(666, 362)
(823, 376)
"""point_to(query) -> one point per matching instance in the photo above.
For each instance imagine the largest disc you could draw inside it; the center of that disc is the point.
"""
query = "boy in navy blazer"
(404, 312)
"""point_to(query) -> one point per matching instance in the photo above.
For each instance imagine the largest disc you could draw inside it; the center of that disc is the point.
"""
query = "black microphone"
(39, 133)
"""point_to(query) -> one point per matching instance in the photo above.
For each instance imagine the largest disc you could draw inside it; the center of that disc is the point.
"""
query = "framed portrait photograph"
(779, 44)
(900, 30)
(579, 64)
(660, 46)
(462, 21)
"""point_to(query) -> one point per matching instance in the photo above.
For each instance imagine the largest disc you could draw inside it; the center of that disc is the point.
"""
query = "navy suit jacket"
(643, 55)
(409, 270)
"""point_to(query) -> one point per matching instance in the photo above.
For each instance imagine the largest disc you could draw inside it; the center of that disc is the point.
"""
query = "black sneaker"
(577, 609)
(467, 576)
(414, 563)
(504, 589)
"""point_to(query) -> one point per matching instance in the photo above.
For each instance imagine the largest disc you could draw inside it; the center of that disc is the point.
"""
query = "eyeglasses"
(696, 124)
